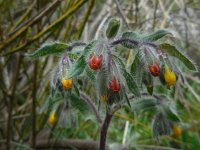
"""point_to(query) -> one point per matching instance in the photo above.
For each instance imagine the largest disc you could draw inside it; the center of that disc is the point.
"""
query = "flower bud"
(114, 85)
(104, 98)
(154, 69)
(52, 119)
(67, 84)
(169, 76)
(95, 62)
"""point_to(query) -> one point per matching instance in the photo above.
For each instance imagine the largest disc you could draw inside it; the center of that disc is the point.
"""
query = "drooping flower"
(114, 85)
(154, 69)
(177, 131)
(169, 76)
(52, 119)
(95, 62)
(67, 83)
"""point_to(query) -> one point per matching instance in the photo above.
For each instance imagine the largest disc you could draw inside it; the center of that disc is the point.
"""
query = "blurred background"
(24, 83)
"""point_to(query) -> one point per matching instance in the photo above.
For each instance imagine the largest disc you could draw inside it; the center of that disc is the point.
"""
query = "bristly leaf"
(126, 97)
(136, 63)
(79, 103)
(50, 48)
(173, 51)
(132, 85)
(88, 48)
(77, 68)
(155, 36)
(90, 73)
(113, 28)
(144, 104)
(170, 112)
(143, 38)
(161, 126)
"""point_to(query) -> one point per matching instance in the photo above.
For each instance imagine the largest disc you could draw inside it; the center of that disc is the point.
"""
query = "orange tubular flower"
(114, 85)
(177, 131)
(67, 84)
(154, 69)
(95, 62)
(169, 76)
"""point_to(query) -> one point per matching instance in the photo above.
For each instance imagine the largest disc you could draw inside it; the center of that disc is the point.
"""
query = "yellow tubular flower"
(53, 119)
(170, 76)
(67, 84)
(104, 98)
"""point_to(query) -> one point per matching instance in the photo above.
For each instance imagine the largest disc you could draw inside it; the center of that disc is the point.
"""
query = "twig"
(92, 106)
(154, 15)
(90, 7)
(30, 22)
(10, 106)
(121, 13)
(34, 105)
(16, 117)
(51, 26)
(63, 144)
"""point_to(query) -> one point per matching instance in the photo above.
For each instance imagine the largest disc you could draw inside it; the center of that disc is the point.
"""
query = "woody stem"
(104, 130)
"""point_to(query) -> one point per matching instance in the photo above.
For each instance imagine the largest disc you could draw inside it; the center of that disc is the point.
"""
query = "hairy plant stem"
(132, 42)
(104, 130)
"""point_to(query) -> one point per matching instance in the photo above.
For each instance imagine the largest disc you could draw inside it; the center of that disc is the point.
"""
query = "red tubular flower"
(154, 69)
(95, 62)
(114, 85)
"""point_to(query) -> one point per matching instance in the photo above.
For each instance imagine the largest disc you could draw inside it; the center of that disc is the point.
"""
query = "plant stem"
(10, 105)
(104, 130)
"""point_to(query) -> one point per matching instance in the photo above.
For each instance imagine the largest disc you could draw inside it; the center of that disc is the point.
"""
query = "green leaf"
(143, 38)
(173, 51)
(126, 97)
(135, 63)
(88, 48)
(79, 103)
(131, 83)
(161, 126)
(113, 28)
(50, 48)
(148, 81)
(90, 73)
(170, 112)
(155, 36)
(77, 68)
(143, 104)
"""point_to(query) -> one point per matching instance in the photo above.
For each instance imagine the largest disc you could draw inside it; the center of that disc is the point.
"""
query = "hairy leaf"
(90, 73)
(79, 103)
(173, 51)
(171, 113)
(77, 68)
(132, 85)
(155, 36)
(113, 27)
(50, 48)
(144, 103)
(135, 63)
(161, 126)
